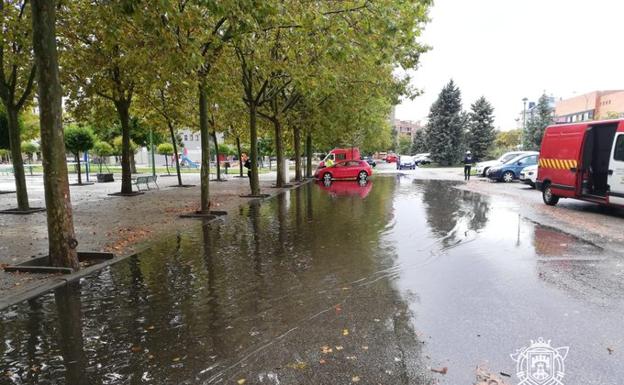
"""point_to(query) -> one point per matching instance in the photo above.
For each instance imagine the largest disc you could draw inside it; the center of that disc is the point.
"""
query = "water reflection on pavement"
(373, 283)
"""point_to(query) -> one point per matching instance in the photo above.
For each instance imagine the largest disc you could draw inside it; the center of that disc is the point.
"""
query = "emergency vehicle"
(339, 154)
(583, 161)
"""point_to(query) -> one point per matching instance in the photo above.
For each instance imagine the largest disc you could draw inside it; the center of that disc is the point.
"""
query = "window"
(618, 153)
(341, 156)
(197, 138)
(185, 137)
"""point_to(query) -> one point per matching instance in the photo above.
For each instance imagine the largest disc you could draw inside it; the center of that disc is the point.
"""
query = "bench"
(146, 180)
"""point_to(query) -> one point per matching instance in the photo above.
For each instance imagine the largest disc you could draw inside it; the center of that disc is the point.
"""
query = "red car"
(348, 169)
(392, 158)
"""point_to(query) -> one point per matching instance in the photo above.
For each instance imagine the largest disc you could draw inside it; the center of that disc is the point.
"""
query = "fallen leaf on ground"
(241, 381)
(355, 379)
(136, 349)
(176, 359)
(339, 348)
(364, 347)
(326, 349)
(322, 361)
(443, 370)
(297, 365)
(345, 332)
(610, 350)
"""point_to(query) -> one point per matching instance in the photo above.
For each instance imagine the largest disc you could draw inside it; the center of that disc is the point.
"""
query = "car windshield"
(507, 157)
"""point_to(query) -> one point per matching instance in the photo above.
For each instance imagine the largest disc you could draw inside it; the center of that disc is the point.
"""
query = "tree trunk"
(297, 148)
(61, 236)
(167, 164)
(216, 144)
(15, 143)
(175, 153)
(253, 150)
(205, 147)
(77, 155)
(240, 156)
(279, 153)
(132, 163)
(309, 155)
(126, 172)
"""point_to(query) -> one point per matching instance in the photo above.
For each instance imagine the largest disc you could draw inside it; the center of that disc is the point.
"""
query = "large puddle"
(331, 285)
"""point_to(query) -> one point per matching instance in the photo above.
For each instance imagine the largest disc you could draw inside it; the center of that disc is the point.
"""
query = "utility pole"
(151, 139)
(524, 102)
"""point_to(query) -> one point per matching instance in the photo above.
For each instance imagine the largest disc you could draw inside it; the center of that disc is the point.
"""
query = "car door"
(339, 170)
(616, 171)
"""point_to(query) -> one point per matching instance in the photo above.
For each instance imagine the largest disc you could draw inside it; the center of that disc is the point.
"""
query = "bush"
(165, 149)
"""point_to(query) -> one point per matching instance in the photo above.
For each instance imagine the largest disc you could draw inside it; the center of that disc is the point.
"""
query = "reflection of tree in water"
(451, 211)
(443, 206)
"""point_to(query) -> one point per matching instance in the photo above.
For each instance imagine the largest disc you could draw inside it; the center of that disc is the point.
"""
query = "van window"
(618, 154)
(341, 156)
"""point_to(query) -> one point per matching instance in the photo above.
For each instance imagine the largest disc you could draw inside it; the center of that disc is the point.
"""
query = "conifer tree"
(419, 142)
(537, 122)
(481, 133)
(445, 126)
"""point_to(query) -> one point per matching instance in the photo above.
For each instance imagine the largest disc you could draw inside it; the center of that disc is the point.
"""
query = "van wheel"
(547, 195)
(362, 175)
(508, 177)
(327, 177)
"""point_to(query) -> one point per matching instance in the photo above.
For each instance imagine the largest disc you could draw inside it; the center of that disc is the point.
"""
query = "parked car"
(528, 175)
(370, 161)
(391, 158)
(509, 171)
(406, 162)
(583, 161)
(481, 168)
(424, 158)
(350, 169)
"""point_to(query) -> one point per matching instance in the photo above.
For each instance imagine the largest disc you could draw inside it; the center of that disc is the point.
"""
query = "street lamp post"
(524, 102)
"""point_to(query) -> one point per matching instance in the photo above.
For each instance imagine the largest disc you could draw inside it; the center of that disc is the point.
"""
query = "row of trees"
(303, 71)
(450, 131)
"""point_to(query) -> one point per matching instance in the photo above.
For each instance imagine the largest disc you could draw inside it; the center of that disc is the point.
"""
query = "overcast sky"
(506, 50)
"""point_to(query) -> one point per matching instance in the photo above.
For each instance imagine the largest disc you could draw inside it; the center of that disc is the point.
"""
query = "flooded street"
(340, 284)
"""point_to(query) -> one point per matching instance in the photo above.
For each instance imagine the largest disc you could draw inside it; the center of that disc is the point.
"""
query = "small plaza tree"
(79, 139)
(102, 150)
(30, 149)
(165, 149)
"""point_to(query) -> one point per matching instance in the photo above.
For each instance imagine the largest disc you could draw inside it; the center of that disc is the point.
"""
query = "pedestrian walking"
(468, 162)
(246, 163)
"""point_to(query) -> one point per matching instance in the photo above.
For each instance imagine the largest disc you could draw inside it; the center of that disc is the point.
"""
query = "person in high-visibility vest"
(329, 162)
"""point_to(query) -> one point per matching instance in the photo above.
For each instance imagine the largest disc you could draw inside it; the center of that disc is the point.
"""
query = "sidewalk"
(121, 225)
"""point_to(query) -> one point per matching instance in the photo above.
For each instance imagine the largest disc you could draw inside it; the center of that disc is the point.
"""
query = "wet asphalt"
(339, 284)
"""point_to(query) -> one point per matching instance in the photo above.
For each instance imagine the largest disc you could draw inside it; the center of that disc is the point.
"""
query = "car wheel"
(362, 175)
(485, 171)
(547, 195)
(508, 176)
(327, 177)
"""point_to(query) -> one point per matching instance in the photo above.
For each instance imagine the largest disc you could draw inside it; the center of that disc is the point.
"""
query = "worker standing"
(468, 162)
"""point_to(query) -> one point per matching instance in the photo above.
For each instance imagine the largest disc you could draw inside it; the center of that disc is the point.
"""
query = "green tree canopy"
(481, 134)
(165, 149)
(445, 126)
(102, 149)
(539, 119)
(79, 139)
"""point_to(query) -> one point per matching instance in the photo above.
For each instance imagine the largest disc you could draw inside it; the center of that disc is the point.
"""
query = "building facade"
(406, 127)
(594, 105)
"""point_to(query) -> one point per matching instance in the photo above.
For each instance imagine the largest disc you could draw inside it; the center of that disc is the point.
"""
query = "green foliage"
(117, 143)
(445, 126)
(405, 144)
(481, 134)
(537, 123)
(102, 149)
(165, 149)
(79, 139)
(419, 142)
(29, 148)
(506, 141)
(226, 150)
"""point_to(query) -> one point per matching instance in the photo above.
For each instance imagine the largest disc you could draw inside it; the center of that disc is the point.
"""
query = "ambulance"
(583, 161)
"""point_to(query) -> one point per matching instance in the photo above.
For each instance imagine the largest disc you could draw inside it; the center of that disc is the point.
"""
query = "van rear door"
(616, 171)
(558, 160)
